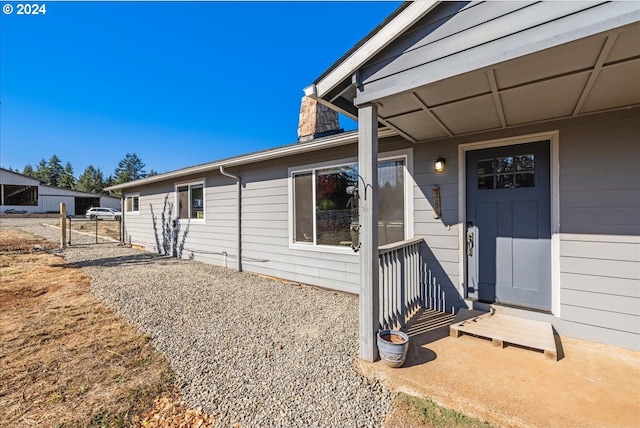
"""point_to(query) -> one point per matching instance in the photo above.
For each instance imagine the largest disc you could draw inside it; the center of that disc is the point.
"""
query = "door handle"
(470, 243)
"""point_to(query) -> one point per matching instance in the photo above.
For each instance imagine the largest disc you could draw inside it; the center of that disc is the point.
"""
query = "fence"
(104, 230)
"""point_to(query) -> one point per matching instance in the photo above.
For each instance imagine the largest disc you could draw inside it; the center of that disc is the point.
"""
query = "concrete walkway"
(592, 385)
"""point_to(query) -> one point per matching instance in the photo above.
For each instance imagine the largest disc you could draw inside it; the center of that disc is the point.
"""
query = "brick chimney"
(316, 120)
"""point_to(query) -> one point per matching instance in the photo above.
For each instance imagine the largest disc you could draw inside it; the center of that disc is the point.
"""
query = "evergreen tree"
(67, 180)
(42, 171)
(152, 172)
(129, 169)
(55, 171)
(109, 181)
(28, 170)
(91, 180)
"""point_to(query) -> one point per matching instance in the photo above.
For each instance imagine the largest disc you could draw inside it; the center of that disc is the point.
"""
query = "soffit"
(598, 73)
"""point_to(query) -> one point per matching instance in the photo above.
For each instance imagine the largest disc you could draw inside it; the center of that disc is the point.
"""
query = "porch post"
(368, 210)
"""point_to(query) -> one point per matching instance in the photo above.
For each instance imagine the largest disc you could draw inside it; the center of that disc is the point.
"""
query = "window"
(506, 172)
(132, 204)
(190, 201)
(325, 204)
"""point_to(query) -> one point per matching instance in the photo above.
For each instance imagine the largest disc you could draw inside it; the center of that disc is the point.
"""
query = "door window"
(506, 172)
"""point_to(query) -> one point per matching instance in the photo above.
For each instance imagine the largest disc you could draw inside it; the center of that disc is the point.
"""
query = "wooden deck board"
(503, 329)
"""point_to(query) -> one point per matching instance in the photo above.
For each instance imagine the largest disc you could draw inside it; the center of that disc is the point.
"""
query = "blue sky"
(177, 83)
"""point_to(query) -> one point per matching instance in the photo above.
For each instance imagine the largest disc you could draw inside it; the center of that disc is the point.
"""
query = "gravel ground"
(255, 351)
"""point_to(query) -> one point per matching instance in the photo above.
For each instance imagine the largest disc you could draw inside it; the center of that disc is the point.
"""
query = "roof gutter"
(238, 217)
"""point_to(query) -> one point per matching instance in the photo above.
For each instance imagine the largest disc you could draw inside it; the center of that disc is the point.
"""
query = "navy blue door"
(508, 226)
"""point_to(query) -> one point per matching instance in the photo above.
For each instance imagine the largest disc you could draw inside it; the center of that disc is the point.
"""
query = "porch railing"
(406, 283)
(401, 285)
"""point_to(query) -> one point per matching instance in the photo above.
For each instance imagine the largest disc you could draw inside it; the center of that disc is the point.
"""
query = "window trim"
(131, 195)
(201, 181)
(404, 154)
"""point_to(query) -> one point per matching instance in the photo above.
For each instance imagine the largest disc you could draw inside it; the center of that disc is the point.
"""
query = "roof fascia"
(378, 41)
(280, 152)
(565, 31)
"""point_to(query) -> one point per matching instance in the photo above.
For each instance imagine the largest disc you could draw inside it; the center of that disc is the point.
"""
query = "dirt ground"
(66, 360)
(110, 229)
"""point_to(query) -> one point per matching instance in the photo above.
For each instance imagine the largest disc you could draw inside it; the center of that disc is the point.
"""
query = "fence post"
(63, 224)
(96, 229)
(69, 230)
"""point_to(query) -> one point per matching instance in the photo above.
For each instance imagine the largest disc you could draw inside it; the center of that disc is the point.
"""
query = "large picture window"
(325, 204)
(190, 201)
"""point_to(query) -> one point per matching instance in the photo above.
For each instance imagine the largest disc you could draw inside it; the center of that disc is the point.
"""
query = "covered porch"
(592, 385)
(453, 78)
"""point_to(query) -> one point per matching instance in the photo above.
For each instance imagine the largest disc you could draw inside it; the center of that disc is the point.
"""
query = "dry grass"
(68, 361)
(106, 228)
(414, 412)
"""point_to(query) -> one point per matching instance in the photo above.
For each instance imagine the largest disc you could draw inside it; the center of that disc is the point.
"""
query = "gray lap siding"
(600, 228)
(599, 211)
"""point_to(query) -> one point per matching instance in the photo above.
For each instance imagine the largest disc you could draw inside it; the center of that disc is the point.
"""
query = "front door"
(508, 230)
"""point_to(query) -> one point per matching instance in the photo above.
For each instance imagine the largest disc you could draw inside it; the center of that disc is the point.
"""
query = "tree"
(129, 169)
(152, 172)
(55, 171)
(109, 181)
(28, 170)
(42, 171)
(91, 180)
(67, 180)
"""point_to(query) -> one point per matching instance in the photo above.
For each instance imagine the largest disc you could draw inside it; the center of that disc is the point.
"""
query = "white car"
(102, 213)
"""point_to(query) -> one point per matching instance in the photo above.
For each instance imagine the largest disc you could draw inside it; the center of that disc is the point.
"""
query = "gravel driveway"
(255, 351)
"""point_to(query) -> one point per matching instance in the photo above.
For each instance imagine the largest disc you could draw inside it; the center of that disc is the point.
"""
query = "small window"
(190, 201)
(303, 208)
(506, 172)
(132, 204)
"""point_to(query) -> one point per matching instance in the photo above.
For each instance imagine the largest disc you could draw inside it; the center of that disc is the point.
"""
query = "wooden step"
(503, 329)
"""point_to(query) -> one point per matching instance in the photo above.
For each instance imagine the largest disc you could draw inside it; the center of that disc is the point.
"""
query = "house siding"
(264, 223)
(441, 252)
(600, 230)
(599, 204)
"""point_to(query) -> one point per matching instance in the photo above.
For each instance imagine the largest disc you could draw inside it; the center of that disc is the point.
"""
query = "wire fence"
(93, 231)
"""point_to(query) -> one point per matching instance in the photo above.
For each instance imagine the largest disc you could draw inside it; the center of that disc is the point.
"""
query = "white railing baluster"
(403, 286)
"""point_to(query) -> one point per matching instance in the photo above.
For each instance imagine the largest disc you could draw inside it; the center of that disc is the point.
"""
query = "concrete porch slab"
(591, 385)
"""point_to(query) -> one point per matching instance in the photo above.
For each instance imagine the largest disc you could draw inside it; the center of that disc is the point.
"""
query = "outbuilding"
(26, 194)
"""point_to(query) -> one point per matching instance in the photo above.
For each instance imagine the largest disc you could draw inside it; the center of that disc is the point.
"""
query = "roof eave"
(397, 23)
(289, 150)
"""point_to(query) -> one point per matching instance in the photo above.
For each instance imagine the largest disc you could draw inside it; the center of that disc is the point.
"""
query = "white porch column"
(368, 210)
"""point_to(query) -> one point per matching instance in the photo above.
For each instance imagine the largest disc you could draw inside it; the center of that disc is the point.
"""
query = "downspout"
(238, 206)
(123, 204)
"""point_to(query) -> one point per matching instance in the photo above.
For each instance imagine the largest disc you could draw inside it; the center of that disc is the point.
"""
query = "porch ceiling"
(594, 74)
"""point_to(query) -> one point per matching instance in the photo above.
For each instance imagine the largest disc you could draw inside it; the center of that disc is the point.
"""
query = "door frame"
(554, 181)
